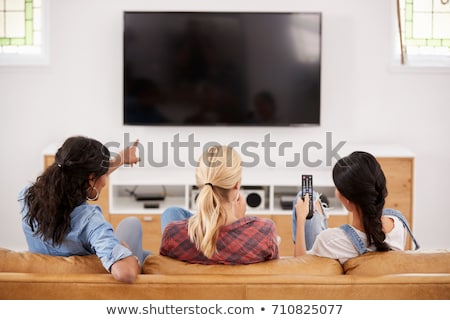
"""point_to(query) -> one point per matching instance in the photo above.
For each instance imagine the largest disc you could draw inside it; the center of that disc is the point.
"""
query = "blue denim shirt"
(89, 233)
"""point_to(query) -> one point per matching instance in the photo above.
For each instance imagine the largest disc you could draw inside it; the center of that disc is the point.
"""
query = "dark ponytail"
(63, 186)
(360, 179)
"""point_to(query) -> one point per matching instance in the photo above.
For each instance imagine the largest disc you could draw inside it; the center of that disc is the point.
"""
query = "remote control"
(307, 188)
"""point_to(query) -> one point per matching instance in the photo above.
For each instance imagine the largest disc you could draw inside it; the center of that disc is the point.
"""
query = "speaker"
(254, 197)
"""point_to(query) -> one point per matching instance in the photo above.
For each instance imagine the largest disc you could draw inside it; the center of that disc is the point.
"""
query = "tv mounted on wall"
(222, 68)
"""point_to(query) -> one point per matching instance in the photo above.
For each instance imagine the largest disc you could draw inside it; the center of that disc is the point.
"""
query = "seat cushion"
(399, 262)
(308, 264)
(28, 262)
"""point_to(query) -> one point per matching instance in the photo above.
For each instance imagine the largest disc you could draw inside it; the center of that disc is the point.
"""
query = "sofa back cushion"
(28, 262)
(398, 262)
(311, 265)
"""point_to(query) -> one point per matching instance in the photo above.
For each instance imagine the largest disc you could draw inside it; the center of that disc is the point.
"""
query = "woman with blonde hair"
(219, 232)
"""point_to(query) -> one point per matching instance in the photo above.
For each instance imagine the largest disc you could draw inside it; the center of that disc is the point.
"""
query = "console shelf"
(179, 189)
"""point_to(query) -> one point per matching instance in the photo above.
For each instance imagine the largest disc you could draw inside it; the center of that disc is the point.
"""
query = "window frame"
(30, 59)
(426, 62)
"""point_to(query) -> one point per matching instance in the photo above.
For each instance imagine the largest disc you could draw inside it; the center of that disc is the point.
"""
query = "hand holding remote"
(307, 188)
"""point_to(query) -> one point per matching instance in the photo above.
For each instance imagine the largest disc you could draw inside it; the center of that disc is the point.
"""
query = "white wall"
(364, 99)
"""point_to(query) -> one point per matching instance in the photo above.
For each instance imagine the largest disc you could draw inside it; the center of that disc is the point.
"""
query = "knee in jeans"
(132, 222)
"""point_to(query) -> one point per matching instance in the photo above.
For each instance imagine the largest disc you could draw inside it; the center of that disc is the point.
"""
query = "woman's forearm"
(300, 243)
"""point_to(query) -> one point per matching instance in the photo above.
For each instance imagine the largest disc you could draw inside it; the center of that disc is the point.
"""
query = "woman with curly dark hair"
(361, 187)
(57, 219)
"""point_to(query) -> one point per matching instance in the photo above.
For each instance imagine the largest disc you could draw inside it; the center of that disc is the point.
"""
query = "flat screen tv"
(222, 68)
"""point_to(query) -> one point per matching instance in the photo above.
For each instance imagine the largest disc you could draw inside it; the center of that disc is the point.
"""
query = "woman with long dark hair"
(57, 219)
(361, 187)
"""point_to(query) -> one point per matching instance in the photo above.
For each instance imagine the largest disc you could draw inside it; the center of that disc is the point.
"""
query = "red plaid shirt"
(247, 240)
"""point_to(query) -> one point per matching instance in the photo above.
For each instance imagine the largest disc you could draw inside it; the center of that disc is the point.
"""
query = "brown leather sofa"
(388, 275)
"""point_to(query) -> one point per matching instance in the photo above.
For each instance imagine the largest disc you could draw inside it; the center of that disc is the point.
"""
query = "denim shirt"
(89, 233)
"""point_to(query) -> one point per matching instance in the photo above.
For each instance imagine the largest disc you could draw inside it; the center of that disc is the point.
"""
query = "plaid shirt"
(247, 240)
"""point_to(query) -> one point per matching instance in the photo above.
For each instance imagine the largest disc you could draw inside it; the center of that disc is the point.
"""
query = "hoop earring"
(96, 194)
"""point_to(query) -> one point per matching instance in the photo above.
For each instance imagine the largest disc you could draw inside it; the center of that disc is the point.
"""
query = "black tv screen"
(222, 68)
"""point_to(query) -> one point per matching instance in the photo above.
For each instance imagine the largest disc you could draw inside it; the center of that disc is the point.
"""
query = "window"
(22, 32)
(425, 29)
